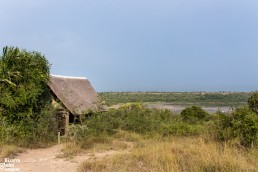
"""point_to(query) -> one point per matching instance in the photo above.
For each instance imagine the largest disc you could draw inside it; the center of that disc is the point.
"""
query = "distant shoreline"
(205, 99)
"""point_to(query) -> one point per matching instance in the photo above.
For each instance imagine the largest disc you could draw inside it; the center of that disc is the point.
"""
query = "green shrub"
(30, 134)
(242, 124)
(181, 129)
(193, 114)
(84, 136)
(138, 119)
(105, 123)
(78, 133)
(25, 101)
(253, 102)
(245, 125)
(224, 127)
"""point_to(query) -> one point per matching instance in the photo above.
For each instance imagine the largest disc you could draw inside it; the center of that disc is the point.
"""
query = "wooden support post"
(66, 122)
(59, 141)
(58, 138)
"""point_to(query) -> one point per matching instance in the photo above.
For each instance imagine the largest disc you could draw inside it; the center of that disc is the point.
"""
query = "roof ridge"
(68, 77)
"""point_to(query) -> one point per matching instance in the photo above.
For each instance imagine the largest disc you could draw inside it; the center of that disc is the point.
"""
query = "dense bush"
(137, 118)
(253, 102)
(242, 125)
(25, 102)
(193, 114)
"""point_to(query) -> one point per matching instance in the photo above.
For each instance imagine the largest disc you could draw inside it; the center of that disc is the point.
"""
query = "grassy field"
(177, 154)
(161, 141)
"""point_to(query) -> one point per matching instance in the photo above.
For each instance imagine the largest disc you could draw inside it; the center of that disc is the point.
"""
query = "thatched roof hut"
(76, 93)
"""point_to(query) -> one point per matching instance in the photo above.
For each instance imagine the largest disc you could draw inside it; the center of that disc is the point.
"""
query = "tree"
(241, 124)
(253, 102)
(23, 88)
(193, 114)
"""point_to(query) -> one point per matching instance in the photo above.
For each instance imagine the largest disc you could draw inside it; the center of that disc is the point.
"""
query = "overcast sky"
(141, 45)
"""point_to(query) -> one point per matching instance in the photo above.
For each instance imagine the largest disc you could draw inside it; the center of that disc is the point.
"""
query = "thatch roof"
(76, 93)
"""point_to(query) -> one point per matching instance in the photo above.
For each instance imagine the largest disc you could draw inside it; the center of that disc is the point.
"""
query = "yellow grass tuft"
(128, 136)
(70, 149)
(9, 151)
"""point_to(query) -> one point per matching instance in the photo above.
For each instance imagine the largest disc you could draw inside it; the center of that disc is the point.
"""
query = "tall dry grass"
(192, 154)
(9, 151)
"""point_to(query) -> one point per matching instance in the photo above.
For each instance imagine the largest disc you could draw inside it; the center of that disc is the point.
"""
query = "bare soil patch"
(49, 159)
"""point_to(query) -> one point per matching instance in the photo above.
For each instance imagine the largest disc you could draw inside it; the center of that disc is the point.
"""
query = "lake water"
(178, 108)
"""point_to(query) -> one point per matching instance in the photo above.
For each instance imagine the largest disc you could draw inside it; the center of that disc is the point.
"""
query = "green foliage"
(245, 124)
(180, 128)
(84, 136)
(134, 117)
(25, 98)
(253, 102)
(193, 114)
(242, 124)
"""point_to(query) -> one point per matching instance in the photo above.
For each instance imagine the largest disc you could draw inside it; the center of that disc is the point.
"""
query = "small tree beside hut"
(25, 101)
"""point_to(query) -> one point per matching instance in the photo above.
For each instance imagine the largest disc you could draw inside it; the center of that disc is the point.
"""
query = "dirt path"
(47, 160)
